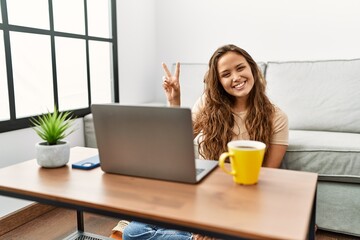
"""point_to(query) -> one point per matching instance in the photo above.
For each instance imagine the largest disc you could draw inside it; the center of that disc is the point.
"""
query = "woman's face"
(235, 75)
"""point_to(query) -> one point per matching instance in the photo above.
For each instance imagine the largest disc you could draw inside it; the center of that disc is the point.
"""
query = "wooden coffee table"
(281, 205)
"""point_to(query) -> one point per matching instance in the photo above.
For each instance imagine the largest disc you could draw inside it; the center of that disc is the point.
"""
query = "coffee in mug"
(246, 147)
(246, 157)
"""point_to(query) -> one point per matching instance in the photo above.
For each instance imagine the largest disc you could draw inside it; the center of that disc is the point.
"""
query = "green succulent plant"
(53, 127)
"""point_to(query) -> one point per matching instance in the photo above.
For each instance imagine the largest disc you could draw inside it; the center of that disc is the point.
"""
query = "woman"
(234, 106)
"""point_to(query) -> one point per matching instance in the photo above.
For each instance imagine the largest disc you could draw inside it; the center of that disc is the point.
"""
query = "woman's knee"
(137, 230)
(142, 231)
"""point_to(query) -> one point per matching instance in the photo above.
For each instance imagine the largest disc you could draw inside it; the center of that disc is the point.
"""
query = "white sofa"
(321, 99)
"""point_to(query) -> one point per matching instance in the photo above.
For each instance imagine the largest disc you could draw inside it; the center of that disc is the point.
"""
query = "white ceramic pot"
(52, 156)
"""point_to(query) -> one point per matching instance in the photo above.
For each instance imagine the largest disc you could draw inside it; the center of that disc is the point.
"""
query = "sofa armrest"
(89, 131)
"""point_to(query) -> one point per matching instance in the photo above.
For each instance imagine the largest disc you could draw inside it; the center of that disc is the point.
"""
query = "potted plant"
(53, 128)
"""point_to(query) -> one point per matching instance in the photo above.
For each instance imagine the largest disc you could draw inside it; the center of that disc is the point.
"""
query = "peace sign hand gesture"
(171, 85)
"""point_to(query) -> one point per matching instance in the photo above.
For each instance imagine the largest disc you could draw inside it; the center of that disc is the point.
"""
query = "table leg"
(80, 220)
(313, 219)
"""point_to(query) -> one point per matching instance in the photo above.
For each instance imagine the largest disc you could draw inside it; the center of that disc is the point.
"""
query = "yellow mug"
(246, 157)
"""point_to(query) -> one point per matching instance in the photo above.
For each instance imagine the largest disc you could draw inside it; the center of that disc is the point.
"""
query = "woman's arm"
(275, 155)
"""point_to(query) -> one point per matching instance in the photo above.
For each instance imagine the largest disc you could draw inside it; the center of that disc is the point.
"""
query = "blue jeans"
(143, 231)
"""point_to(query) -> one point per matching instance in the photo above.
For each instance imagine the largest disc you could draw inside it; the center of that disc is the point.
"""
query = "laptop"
(148, 141)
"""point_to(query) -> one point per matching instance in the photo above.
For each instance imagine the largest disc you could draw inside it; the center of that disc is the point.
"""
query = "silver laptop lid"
(152, 142)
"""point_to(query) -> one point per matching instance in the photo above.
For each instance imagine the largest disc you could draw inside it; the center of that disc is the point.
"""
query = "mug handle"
(222, 159)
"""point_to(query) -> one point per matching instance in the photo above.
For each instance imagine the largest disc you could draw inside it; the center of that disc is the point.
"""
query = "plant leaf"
(53, 127)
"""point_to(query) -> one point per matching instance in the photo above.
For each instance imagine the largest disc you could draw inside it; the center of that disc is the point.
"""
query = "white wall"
(137, 50)
(189, 31)
(155, 31)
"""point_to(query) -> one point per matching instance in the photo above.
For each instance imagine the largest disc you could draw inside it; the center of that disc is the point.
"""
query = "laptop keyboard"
(82, 237)
(79, 235)
(199, 170)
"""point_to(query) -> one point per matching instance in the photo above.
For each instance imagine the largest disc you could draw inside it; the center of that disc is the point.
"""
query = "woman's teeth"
(240, 85)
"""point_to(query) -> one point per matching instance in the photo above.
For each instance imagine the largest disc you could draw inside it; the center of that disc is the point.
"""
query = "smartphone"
(88, 163)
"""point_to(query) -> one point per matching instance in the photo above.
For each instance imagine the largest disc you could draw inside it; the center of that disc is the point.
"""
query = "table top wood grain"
(278, 206)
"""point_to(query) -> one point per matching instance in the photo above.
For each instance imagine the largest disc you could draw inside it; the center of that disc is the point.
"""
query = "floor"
(59, 223)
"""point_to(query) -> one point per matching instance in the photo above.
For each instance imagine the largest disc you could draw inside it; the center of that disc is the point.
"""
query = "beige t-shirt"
(281, 128)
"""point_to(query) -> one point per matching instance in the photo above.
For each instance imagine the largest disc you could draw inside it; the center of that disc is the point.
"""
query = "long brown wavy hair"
(216, 120)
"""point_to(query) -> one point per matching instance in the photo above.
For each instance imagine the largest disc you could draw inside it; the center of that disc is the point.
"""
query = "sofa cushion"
(262, 67)
(192, 82)
(334, 156)
(318, 95)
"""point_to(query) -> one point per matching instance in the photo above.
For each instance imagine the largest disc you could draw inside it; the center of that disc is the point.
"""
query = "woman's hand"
(171, 85)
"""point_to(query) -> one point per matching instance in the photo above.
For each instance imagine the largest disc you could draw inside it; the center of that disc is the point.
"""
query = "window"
(71, 73)
(34, 13)
(0, 15)
(4, 98)
(32, 76)
(100, 72)
(69, 16)
(55, 52)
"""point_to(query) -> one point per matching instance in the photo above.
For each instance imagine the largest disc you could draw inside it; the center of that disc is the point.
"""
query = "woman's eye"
(240, 68)
(226, 75)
